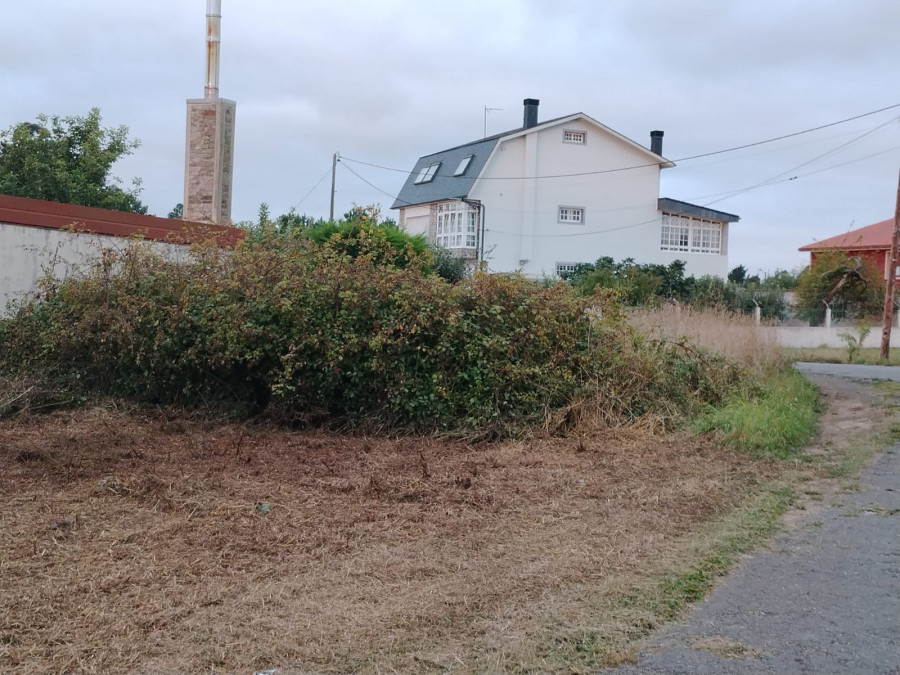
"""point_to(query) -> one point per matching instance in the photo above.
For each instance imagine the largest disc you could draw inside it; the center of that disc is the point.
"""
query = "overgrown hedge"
(353, 332)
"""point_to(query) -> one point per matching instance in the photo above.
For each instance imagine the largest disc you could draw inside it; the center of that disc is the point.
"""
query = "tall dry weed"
(734, 336)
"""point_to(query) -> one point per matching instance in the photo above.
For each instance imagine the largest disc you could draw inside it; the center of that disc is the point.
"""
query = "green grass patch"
(870, 356)
(776, 417)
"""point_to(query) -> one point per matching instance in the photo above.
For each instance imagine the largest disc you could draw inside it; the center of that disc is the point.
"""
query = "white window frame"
(570, 215)
(463, 165)
(688, 234)
(426, 173)
(457, 225)
(574, 136)
(565, 267)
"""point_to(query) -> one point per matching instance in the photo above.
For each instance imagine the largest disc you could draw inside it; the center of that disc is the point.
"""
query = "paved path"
(823, 598)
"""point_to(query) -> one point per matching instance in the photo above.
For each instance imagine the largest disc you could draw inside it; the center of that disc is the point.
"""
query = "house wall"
(621, 216)
(27, 253)
(416, 219)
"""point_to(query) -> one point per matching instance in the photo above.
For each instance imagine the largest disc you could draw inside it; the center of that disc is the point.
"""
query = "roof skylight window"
(426, 174)
(463, 165)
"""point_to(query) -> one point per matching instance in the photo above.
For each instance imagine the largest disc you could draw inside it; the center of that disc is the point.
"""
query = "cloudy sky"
(385, 81)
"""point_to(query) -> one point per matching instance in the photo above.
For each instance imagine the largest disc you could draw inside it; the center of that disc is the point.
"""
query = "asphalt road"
(824, 597)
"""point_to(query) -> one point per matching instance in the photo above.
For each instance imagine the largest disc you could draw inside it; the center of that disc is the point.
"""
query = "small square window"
(426, 174)
(463, 165)
(571, 214)
(571, 136)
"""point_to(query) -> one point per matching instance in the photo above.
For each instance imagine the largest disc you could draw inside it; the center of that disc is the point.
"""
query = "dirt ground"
(140, 542)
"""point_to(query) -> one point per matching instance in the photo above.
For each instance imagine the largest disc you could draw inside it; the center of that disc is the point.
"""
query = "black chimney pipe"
(531, 108)
(656, 142)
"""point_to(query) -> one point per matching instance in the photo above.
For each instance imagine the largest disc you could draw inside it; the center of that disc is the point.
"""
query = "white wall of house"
(621, 219)
(415, 219)
(27, 253)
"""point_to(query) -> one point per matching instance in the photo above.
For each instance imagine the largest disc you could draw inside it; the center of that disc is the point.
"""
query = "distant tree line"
(651, 284)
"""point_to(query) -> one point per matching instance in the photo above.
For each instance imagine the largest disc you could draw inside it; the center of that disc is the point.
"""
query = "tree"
(640, 284)
(738, 275)
(853, 287)
(177, 211)
(68, 159)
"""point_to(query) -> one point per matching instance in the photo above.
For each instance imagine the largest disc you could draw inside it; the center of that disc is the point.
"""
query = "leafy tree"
(738, 275)
(640, 284)
(177, 211)
(850, 285)
(294, 222)
(651, 284)
(782, 280)
(710, 291)
(68, 159)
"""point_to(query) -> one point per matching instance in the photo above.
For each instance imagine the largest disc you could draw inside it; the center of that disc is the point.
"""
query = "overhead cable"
(642, 166)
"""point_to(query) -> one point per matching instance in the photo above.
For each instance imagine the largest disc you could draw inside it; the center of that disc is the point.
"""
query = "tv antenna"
(486, 111)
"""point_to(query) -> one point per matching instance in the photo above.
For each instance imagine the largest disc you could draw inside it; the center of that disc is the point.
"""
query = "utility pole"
(891, 283)
(334, 159)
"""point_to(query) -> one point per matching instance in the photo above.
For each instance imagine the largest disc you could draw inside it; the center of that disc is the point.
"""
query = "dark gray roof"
(675, 206)
(445, 185)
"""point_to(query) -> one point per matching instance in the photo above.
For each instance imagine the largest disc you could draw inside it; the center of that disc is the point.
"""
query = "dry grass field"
(135, 542)
(732, 335)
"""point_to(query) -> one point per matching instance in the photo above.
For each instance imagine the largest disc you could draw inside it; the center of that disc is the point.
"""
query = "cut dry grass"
(132, 543)
(731, 335)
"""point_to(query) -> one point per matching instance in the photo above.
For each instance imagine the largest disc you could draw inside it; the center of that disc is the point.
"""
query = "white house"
(553, 194)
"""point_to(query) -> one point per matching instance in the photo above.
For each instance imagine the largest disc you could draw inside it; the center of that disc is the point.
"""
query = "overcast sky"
(385, 81)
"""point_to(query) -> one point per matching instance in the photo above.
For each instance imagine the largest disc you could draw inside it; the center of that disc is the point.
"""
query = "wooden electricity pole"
(886, 319)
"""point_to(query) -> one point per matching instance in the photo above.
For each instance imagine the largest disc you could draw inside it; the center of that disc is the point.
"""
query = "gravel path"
(823, 598)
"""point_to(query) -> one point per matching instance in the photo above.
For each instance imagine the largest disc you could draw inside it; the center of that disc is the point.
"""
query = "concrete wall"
(819, 336)
(28, 253)
(621, 217)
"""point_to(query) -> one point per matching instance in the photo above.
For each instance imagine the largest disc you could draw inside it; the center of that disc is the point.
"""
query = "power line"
(394, 197)
(774, 179)
(657, 219)
(646, 222)
(791, 135)
(799, 176)
(642, 166)
(324, 176)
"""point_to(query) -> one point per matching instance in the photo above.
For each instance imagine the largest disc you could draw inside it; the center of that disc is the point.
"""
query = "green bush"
(648, 285)
(352, 330)
(775, 417)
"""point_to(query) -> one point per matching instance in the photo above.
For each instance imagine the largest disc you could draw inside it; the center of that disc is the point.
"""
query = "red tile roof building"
(872, 244)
